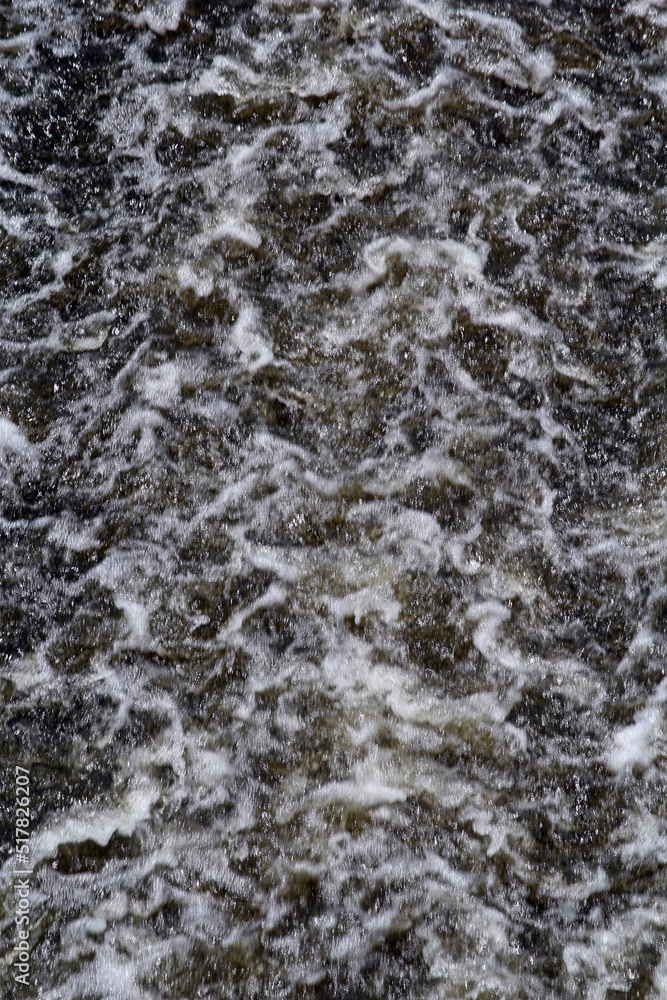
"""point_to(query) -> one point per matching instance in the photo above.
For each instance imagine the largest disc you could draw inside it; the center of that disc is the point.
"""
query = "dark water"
(333, 494)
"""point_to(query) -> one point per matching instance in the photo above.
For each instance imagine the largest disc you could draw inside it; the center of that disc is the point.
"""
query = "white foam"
(368, 794)
(246, 337)
(660, 280)
(201, 284)
(32, 672)
(441, 81)
(367, 601)
(13, 176)
(162, 385)
(274, 595)
(138, 623)
(24, 40)
(482, 709)
(98, 825)
(96, 328)
(376, 256)
(71, 537)
(344, 718)
(660, 977)
(227, 76)
(13, 441)
(161, 16)
(468, 260)
(234, 228)
(634, 745)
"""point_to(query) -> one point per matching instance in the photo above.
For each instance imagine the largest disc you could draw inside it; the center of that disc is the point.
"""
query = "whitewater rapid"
(333, 494)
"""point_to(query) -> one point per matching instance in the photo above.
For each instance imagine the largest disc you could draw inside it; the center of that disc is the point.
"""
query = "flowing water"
(333, 475)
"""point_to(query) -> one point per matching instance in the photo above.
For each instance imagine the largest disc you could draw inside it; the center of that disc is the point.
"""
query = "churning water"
(333, 473)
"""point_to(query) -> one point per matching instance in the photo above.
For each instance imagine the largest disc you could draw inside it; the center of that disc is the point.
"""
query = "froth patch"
(236, 231)
(227, 76)
(138, 623)
(93, 332)
(366, 792)
(162, 385)
(101, 825)
(364, 602)
(660, 280)
(201, 284)
(14, 442)
(468, 260)
(481, 709)
(634, 746)
(161, 17)
(246, 337)
(417, 99)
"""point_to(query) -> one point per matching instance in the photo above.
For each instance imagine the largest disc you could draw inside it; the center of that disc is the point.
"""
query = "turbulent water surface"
(333, 477)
